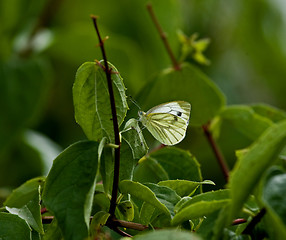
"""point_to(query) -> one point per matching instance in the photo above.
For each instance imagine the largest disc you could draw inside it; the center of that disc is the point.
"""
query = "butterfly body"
(167, 122)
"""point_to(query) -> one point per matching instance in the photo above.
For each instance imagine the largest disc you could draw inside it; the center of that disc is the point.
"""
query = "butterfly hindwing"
(168, 130)
(168, 122)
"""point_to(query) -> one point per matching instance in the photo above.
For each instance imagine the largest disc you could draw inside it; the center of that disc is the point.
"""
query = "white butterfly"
(167, 122)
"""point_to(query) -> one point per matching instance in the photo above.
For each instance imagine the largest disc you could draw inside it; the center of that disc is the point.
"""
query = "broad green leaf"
(188, 84)
(127, 162)
(273, 196)
(170, 234)
(207, 225)
(207, 196)
(132, 134)
(173, 163)
(149, 170)
(183, 187)
(107, 169)
(25, 202)
(133, 147)
(142, 192)
(92, 103)
(23, 90)
(250, 167)
(200, 205)
(69, 188)
(270, 112)
(246, 121)
(102, 200)
(198, 209)
(165, 195)
(98, 221)
(13, 227)
(126, 210)
(146, 213)
(220, 223)
(181, 203)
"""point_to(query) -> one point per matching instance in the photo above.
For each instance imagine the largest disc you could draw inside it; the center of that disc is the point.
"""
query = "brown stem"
(256, 219)
(43, 21)
(115, 123)
(163, 36)
(122, 233)
(43, 210)
(130, 225)
(219, 156)
(238, 221)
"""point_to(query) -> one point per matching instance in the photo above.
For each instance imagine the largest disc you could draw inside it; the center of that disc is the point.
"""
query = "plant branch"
(43, 21)
(255, 220)
(115, 123)
(163, 36)
(238, 221)
(130, 225)
(219, 156)
(122, 233)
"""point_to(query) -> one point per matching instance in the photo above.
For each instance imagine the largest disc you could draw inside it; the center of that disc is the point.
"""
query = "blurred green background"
(44, 42)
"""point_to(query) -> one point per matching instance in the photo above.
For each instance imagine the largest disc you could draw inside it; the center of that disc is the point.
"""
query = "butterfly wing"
(168, 122)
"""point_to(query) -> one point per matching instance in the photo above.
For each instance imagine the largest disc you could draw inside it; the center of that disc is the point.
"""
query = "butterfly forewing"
(168, 122)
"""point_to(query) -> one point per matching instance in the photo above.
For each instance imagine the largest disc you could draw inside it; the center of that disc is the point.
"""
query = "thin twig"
(115, 123)
(122, 233)
(43, 21)
(163, 36)
(255, 220)
(219, 156)
(238, 221)
(130, 225)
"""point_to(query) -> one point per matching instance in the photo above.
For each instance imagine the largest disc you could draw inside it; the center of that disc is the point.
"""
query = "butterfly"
(167, 122)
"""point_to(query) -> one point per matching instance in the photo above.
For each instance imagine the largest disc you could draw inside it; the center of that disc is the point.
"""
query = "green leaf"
(170, 234)
(146, 213)
(270, 112)
(273, 196)
(133, 147)
(13, 227)
(205, 197)
(107, 169)
(188, 84)
(250, 167)
(132, 134)
(201, 205)
(126, 210)
(183, 187)
(143, 193)
(149, 170)
(22, 82)
(101, 199)
(69, 188)
(245, 120)
(98, 221)
(127, 162)
(92, 103)
(25, 202)
(165, 195)
(168, 163)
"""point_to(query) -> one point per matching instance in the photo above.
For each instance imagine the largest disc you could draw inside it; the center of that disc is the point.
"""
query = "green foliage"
(13, 227)
(90, 94)
(163, 188)
(25, 202)
(188, 84)
(69, 188)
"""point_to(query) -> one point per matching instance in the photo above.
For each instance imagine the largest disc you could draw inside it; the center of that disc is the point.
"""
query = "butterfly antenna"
(134, 102)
